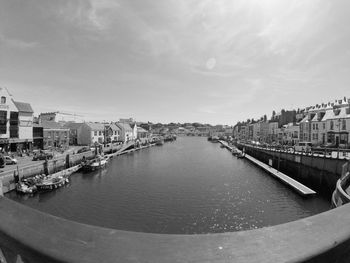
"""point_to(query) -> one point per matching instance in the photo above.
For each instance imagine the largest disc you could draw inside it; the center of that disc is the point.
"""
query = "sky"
(209, 61)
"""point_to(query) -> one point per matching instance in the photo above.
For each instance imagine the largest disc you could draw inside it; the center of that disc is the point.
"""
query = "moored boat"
(56, 180)
(50, 183)
(97, 163)
(25, 188)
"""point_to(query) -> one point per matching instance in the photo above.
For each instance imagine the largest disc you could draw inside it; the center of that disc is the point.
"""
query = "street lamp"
(339, 121)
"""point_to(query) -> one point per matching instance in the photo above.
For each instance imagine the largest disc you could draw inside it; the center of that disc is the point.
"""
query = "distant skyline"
(211, 61)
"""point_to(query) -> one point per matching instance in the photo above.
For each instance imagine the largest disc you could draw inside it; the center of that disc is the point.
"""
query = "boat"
(97, 163)
(160, 142)
(56, 180)
(240, 155)
(234, 151)
(50, 183)
(25, 187)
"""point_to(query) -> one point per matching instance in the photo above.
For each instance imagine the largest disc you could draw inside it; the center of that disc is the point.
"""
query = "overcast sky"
(211, 61)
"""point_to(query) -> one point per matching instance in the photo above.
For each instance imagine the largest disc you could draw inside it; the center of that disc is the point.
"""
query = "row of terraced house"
(325, 124)
(20, 131)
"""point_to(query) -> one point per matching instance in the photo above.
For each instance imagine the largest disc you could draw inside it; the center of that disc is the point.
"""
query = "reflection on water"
(187, 186)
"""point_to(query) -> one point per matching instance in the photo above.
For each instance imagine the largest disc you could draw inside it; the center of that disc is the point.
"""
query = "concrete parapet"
(39, 237)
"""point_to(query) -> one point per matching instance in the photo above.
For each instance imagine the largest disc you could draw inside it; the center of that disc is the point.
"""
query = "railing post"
(1, 191)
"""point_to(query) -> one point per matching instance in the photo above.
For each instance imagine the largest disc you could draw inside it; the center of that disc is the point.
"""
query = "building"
(264, 131)
(73, 131)
(90, 133)
(55, 136)
(21, 127)
(134, 130)
(142, 133)
(38, 136)
(59, 116)
(113, 133)
(16, 123)
(126, 132)
(290, 134)
(338, 126)
(272, 131)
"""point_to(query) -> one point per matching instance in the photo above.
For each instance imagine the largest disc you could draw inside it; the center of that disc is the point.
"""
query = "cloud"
(17, 43)
(95, 15)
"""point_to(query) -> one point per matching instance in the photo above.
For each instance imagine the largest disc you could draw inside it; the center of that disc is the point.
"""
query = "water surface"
(186, 186)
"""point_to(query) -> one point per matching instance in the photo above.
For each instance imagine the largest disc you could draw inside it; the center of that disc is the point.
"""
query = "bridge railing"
(340, 195)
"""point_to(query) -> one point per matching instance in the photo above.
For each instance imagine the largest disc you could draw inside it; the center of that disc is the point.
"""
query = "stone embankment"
(317, 171)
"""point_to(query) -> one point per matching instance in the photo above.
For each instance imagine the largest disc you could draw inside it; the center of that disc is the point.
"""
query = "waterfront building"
(113, 133)
(291, 134)
(272, 134)
(38, 136)
(73, 131)
(90, 133)
(338, 125)
(264, 131)
(21, 127)
(55, 136)
(126, 132)
(318, 128)
(59, 116)
(16, 123)
(134, 129)
(142, 133)
(256, 131)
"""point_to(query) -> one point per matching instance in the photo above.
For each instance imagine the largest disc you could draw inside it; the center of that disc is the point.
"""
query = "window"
(332, 125)
(343, 125)
(3, 122)
(95, 133)
(100, 133)
(324, 126)
(3, 100)
(316, 126)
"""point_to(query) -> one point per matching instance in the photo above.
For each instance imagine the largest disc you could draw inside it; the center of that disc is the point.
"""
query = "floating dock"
(300, 188)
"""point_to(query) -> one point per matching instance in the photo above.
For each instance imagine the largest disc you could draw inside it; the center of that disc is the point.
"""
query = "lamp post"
(339, 121)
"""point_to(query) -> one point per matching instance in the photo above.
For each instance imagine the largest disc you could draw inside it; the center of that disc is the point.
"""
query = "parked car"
(10, 160)
(42, 155)
(303, 147)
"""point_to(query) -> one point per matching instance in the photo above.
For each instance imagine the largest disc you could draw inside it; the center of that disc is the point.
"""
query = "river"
(184, 187)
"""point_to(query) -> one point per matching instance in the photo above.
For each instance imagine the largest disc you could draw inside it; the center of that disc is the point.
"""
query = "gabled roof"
(96, 126)
(23, 107)
(114, 127)
(124, 126)
(306, 119)
(142, 130)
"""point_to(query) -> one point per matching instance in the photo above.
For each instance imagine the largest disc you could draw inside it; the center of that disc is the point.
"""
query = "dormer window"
(3, 100)
(336, 112)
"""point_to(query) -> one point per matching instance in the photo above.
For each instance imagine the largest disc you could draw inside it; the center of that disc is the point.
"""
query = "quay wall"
(319, 172)
(52, 166)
